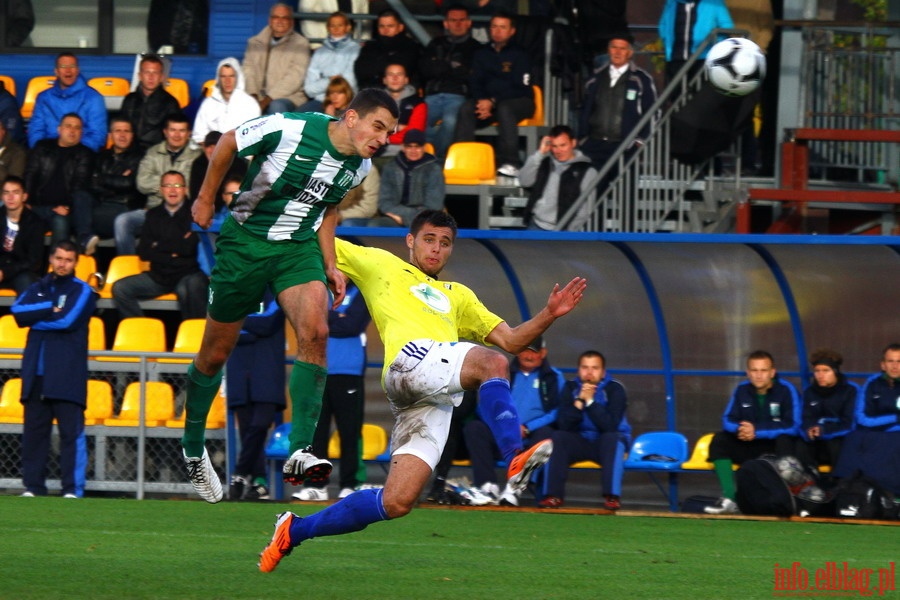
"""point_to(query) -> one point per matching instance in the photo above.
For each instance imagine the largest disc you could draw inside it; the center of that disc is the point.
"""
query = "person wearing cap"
(536, 386)
(616, 97)
(411, 182)
(829, 405)
(591, 425)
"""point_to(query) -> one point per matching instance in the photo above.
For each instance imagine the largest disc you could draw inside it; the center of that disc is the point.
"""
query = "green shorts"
(245, 264)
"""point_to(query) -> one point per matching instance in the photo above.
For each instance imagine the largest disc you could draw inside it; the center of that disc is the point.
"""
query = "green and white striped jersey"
(294, 175)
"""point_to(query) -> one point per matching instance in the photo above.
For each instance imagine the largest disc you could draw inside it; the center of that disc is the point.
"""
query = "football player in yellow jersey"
(420, 320)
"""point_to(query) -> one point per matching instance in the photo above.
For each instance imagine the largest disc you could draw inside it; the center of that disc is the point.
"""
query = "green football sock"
(306, 387)
(201, 391)
(726, 476)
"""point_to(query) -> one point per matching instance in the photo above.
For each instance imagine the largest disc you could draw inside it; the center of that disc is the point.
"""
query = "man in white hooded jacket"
(227, 105)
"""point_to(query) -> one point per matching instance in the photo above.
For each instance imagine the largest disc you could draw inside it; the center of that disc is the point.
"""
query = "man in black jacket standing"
(445, 67)
(169, 243)
(57, 309)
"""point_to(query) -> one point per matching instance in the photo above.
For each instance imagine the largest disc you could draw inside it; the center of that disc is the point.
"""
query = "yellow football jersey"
(406, 304)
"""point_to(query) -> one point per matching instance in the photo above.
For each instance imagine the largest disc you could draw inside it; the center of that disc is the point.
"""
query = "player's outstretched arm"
(204, 205)
(561, 302)
(329, 257)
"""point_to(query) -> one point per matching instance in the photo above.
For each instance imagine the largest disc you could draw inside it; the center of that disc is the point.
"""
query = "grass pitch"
(106, 548)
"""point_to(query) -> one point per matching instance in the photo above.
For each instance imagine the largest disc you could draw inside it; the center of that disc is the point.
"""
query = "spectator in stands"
(169, 243)
(338, 96)
(616, 97)
(11, 118)
(361, 203)
(114, 182)
(879, 408)
(829, 406)
(58, 177)
(19, 23)
(57, 309)
(317, 31)
(762, 417)
(344, 397)
(446, 67)
(150, 104)
(684, 24)
(255, 393)
(501, 92)
(173, 154)
(275, 63)
(227, 105)
(22, 237)
(536, 387)
(558, 174)
(413, 110)
(389, 45)
(12, 155)
(335, 58)
(70, 94)
(411, 182)
(591, 425)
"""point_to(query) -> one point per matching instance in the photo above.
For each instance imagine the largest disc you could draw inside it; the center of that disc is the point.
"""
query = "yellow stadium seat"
(179, 89)
(36, 85)
(537, 119)
(216, 419)
(11, 408)
(113, 90)
(208, 87)
(12, 336)
(121, 266)
(160, 405)
(470, 163)
(699, 460)
(374, 442)
(99, 402)
(9, 83)
(96, 335)
(187, 340)
(138, 334)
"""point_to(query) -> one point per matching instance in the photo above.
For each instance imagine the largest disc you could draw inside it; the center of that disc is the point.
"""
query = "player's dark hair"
(178, 117)
(16, 180)
(66, 245)
(371, 99)
(558, 130)
(437, 218)
(760, 355)
(592, 354)
(892, 347)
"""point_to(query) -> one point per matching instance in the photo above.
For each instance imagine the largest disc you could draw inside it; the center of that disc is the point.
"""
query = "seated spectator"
(22, 236)
(762, 417)
(256, 380)
(11, 117)
(114, 182)
(557, 175)
(536, 388)
(58, 177)
(12, 155)
(173, 154)
(335, 58)
(313, 29)
(70, 94)
(337, 96)
(150, 104)
(829, 406)
(501, 92)
(227, 105)
(879, 409)
(410, 183)
(237, 169)
(389, 45)
(591, 425)
(413, 110)
(446, 66)
(275, 63)
(361, 203)
(169, 243)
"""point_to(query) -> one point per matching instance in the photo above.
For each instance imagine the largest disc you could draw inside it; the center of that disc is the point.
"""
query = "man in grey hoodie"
(557, 174)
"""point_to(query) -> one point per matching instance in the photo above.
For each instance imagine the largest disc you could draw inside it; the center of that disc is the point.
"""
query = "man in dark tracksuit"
(57, 309)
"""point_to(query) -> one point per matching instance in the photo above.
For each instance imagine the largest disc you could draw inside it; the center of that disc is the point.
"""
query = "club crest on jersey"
(431, 297)
(344, 179)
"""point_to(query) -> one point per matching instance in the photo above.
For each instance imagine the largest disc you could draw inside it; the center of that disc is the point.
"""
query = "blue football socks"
(354, 513)
(501, 416)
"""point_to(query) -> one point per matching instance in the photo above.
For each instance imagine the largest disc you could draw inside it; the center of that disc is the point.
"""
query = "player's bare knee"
(397, 507)
(496, 365)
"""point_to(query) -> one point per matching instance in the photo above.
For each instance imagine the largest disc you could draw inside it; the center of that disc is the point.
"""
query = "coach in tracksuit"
(57, 309)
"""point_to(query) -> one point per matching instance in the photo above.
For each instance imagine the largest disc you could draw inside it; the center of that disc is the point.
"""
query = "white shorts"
(423, 386)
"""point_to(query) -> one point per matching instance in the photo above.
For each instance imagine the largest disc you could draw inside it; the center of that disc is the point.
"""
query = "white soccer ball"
(735, 67)
(791, 470)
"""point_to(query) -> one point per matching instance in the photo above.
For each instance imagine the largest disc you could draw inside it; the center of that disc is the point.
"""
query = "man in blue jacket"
(57, 309)
(762, 417)
(69, 94)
